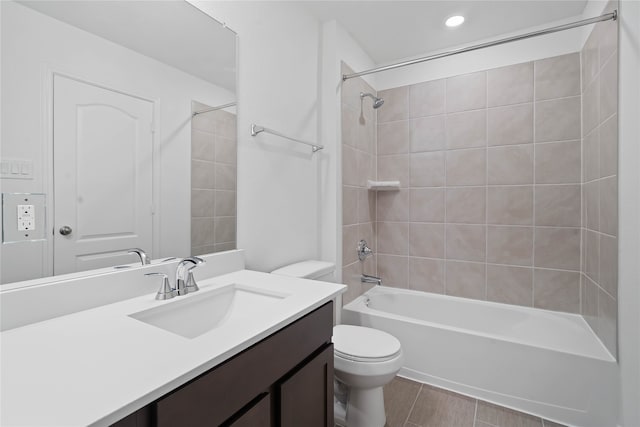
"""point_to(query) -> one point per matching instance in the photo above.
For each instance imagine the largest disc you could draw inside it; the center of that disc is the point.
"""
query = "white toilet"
(365, 359)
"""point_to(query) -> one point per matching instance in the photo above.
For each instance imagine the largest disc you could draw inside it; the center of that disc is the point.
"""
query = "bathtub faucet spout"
(365, 278)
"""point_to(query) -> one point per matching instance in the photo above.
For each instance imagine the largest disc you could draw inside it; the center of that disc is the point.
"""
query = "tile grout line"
(533, 205)
(413, 405)
(486, 191)
(445, 151)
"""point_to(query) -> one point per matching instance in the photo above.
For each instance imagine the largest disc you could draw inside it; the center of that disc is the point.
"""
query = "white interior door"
(103, 145)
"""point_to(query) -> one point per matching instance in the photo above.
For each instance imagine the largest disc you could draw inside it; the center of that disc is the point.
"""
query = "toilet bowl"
(365, 359)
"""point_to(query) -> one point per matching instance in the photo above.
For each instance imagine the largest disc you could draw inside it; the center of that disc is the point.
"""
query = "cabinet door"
(258, 415)
(306, 397)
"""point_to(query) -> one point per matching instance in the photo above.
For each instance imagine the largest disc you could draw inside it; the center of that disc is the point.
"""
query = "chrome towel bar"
(256, 129)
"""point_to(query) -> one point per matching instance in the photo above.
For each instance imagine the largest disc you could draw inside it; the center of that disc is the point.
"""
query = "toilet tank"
(311, 269)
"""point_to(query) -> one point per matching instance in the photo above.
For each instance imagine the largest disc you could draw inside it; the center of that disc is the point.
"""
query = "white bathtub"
(542, 362)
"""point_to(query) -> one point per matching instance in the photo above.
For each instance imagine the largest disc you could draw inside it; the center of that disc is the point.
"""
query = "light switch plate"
(16, 169)
(23, 217)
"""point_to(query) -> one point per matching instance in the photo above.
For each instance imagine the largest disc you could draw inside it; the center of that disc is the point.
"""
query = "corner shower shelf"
(383, 185)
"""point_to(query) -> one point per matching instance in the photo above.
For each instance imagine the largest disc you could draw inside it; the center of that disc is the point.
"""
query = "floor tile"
(440, 408)
(503, 417)
(399, 396)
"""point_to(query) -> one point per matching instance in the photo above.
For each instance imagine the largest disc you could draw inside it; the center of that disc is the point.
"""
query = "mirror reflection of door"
(103, 148)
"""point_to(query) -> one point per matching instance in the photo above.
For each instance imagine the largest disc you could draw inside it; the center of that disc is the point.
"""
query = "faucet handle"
(191, 284)
(165, 291)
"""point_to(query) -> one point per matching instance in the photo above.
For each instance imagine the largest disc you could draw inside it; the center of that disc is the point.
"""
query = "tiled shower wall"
(358, 166)
(599, 181)
(213, 181)
(489, 166)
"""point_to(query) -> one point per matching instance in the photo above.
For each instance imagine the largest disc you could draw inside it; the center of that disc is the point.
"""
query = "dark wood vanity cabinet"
(284, 380)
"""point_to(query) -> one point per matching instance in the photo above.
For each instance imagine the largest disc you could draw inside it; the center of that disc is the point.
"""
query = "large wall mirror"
(118, 132)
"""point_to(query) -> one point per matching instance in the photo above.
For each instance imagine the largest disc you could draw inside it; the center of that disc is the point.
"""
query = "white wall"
(498, 56)
(33, 46)
(278, 61)
(629, 205)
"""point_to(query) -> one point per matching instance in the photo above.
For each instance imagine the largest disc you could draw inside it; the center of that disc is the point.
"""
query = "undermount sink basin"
(205, 311)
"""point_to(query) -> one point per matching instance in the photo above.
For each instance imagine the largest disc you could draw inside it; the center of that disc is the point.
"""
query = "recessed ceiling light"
(454, 21)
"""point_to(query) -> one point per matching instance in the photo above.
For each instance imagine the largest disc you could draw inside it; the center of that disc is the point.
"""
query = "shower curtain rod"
(219, 107)
(606, 17)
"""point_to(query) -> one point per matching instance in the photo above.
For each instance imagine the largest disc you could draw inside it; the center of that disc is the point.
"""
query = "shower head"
(377, 102)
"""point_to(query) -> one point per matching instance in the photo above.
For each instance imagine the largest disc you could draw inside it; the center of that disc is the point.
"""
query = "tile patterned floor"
(411, 404)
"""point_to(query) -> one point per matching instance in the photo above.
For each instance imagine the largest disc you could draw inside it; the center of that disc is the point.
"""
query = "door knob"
(65, 230)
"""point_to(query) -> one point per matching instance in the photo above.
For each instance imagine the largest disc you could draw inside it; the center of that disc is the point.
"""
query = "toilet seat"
(366, 345)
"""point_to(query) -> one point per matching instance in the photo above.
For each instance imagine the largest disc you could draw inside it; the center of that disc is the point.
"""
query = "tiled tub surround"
(490, 171)
(600, 181)
(358, 166)
(213, 181)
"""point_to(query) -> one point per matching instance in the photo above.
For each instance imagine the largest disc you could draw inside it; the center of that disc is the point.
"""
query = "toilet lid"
(364, 344)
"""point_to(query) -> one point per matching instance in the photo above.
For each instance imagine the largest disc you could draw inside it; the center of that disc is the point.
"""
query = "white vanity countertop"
(96, 366)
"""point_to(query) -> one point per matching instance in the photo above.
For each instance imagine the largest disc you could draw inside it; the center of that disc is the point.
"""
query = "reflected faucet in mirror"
(144, 258)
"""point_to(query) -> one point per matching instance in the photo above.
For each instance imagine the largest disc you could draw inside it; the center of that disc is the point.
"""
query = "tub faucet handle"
(363, 250)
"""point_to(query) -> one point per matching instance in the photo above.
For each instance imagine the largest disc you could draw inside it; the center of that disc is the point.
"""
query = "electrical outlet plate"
(23, 217)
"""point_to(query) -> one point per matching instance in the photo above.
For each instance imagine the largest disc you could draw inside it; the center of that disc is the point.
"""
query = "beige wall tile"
(202, 122)
(225, 176)
(349, 126)
(510, 85)
(393, 206)
(591, 155)
(466, 167)
(609, 147)
(510, 125)
(590, 107)
(589, 309)
(201, 231)
(349, 205)
(350, 239)
(465, 279)
(426, 240)
(467, 129)
(557, 290)
(366, 167)
(203, 175)
(510, 245)
(202, 203)
(510, 285)
(394, 168)
(426, 275)
(510, 165)
(221, 247)
(202, 145)
(609, 264)
(590, 60)
(366, 205)
(349, 166)
(466, 92)
(225, 229)
(396, 104)
(557, 248)
(609, 205)
(426, 99)
(558, 119)
(393, 238)
(351, 277)
(608, 37)
(466, 242)
(592, 255)
(225, 204)
(608, 321)
(558, 162)
(427, 169)
(393, 138)
(466, 205)
(557, 205)
(226, 150)
(427, 204)
(428, 134)
(591, 194)
(609, 88)
(394, 270)
(557, 77)
(368, 232)
(510, 205)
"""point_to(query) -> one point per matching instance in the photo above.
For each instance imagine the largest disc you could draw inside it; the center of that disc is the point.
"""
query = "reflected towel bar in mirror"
(255, 129)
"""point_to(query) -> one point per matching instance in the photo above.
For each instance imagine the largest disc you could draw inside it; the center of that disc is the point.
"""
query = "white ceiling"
(173, 32)
(393, 30)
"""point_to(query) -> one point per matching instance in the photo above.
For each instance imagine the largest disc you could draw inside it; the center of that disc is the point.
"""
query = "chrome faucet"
(188, 284)
(363, 250)
(165, 291)
(365, 278)
(144, 258)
